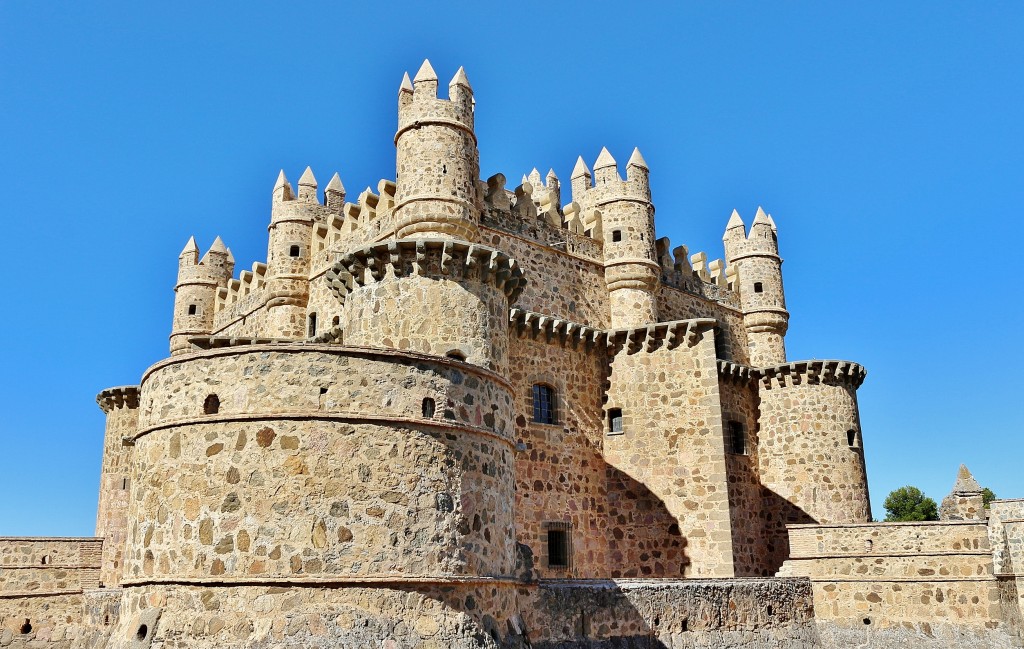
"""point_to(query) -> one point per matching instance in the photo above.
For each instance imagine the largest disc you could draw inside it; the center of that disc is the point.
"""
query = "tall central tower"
(438, 164)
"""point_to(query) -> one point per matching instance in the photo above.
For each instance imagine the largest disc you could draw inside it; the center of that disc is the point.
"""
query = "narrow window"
(26, 627)
(336, 321)
(142, 632)
(543, 404)
(616, 235)
(212, 405)
(46, 560)
(615, 420)
(193, 309)
(558, 545)
(106, 620)
(312, 325)
(124, 484)
(293, 251)
(758, 287)
(456, 354)
(737, 438)
(851, 438)
(428, 407)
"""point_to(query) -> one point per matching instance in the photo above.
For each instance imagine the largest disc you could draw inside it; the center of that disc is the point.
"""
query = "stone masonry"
(455, 412)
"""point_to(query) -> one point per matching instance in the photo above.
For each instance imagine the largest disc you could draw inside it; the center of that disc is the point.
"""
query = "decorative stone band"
(539, 326)
(412, 257)
(375, 581)
(554, 330)
(829, 372)
(124, 396)
(668, 334)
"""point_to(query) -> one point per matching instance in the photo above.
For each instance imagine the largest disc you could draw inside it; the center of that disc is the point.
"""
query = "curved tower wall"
(322, 469)
(433, 296)
(807, 411)
(121, 406)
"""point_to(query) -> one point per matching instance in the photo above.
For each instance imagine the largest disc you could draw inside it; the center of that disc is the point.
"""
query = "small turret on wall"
(627, 227)
(762, 297)
(195, 292)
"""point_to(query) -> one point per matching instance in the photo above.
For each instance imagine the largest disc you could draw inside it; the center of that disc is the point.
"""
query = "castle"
(455, 413)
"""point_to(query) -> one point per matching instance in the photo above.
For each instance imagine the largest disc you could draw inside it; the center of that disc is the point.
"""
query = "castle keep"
(459, 413)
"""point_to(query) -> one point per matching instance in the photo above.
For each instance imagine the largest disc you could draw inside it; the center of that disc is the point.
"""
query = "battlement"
(248, 282)
(761, 241)
(418, 103)
(828, 372)
(694, 274)
(538, 326)
(606, 184)
(428, 257)
(660, 334)
(122, 396)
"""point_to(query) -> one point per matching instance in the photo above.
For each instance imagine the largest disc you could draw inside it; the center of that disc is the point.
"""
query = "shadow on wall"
(644, 539)
(778, 513)
(605, 614)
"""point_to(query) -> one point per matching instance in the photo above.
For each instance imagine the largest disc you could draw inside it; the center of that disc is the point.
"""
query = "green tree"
(987, 496)
(910, 504)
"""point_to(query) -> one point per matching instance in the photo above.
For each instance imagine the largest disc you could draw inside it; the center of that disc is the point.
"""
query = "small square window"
(193, 309)
(294, 251)
(558, 545)
(615, 420)
(543, 404)
(616, 235)
(758, 287)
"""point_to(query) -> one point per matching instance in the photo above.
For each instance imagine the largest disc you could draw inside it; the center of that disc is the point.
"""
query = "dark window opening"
(558, 548)
(456, 354)
(737, 438)
(212, 405)
(336, 320)
(616, 235)
(142, 632)
(428, 407)
(867, 621)
(851, 438)
(124, 483)
(106, 620)
(615, 420)
(444, 169)
(46, 560)
(770, 610)
(543, 404)
(686, 624)
(26, 627)
(312, 325)
(293, 251)
(193, 309)
(758, 287)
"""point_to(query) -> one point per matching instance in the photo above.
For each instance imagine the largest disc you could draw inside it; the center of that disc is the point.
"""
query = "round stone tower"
(289, 255)
(809, 445)
(195, 292)
(627, 223)
(121, 406)
(438, 165)
(756, 258)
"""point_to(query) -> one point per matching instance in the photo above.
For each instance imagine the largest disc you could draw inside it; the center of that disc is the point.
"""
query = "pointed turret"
(189, 254)
(282, 189)
(307, 186)
(552, 178)
(638, 174)
(459, 90)
(637, 159)
(580, 180)
(965, 501)
(406, 85)
(334, 194)
(405, 92)
(534, 178)
(425, 82)
(734, 237)
(605, 168)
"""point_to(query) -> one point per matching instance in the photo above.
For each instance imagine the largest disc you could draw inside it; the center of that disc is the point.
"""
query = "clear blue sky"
(885, 138)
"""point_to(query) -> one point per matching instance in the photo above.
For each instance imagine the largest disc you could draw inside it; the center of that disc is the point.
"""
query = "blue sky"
(885, 138)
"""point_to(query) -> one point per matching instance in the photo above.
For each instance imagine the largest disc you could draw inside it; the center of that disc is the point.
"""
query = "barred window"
(737, 438)
(615, 420)
(543, 404)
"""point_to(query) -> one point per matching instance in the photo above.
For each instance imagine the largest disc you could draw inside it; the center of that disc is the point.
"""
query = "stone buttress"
(121, 406)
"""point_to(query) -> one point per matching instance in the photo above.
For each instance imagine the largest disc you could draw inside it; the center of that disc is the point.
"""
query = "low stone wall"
(45, 565)
(648, 614)
(891, 584)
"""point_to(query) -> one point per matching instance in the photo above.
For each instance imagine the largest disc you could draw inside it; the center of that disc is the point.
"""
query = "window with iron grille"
(559, 545)
(543, 404)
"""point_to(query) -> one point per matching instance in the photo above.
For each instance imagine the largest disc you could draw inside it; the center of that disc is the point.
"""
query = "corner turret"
(289, 252)
(627, 228)
(195, 292)
(762, 297)
(438, 165)
(965, 501)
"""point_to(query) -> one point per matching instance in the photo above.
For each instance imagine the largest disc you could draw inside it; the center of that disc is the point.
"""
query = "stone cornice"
(829, 372)
(539, 326)
(124, 396)
(428, 258)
